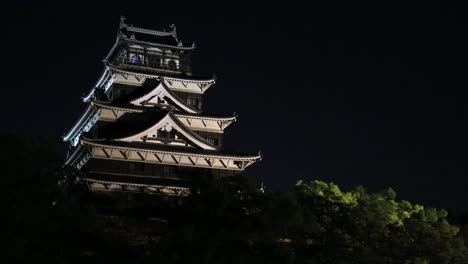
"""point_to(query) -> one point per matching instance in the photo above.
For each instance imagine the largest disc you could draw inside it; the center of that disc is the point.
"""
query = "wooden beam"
(105, 152)
(157, 157)
(222, 162)
(175, 160)
(115, 114)
(193, 162)
(124, 154)
(141, 156)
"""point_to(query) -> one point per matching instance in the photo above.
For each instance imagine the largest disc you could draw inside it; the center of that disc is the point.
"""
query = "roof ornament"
(180, 44)
(132, 37)
(173, 30)
(168, 127)
(193, 44)
(122, 22)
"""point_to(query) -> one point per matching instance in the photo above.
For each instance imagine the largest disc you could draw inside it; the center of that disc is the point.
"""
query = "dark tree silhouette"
(225, 220)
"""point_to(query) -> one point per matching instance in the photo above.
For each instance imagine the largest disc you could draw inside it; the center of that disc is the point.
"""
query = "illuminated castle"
(143, 135)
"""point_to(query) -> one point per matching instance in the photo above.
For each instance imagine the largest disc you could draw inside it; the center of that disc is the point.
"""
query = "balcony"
(151, 61)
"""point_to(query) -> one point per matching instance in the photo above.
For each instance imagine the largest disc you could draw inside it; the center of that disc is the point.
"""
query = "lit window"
(136, 59)
(192, 101)
(213, 141)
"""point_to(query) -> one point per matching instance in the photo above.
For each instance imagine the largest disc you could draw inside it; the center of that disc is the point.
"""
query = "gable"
(169, 124)
(161, 95)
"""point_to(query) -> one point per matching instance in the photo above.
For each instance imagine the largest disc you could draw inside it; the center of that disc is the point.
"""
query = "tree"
(228, 222)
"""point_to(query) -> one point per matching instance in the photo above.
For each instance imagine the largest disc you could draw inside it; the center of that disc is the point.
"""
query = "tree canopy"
(226, 222)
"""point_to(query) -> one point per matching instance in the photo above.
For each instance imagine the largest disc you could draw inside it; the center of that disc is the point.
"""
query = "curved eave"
(89, 96)
(163, 189)
(212, 118)
(102, 105)
(156, 44)
(114, 47)
(206, 81)
(104, 76)
(154, 76)
(79, 124)
(256, 157)
(79, 157)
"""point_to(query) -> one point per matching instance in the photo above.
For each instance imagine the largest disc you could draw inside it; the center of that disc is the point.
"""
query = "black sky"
(371, 95)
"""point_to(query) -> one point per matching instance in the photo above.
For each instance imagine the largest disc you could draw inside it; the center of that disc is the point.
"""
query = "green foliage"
(226, 222)
(377, 228)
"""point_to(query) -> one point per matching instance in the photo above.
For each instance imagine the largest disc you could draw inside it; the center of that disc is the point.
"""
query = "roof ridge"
(148, 31)
(158, 44)
(122, 25)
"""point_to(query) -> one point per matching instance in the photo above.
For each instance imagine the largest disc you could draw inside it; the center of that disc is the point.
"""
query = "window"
(115, 166)
(192, 101)
(213, 141)
(154, 61)
(120, 92)
(136, 167)
(136, 59)
(140, 167)
(172, 65)
(169, 171)
(165, 134)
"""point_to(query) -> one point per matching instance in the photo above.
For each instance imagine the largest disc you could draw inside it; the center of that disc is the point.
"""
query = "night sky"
(371, 95)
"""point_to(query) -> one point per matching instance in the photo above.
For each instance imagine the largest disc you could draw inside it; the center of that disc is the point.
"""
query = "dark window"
(120, 92)
(169, 171)
(172, 65)
(140, 167)
(157, 170)
(154, 61)
(136, 167)
(115, 166)
(165, 134)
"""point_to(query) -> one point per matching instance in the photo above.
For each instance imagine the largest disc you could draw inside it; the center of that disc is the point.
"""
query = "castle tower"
(144, 133)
